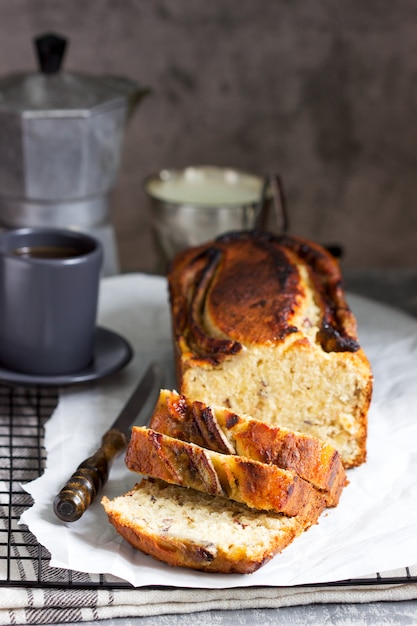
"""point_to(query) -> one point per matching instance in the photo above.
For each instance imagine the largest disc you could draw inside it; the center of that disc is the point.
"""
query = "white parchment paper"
(374, 527)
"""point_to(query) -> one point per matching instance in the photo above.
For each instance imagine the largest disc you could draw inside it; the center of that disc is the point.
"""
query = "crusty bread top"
(222, 430)
(258, 485)
(257, 288)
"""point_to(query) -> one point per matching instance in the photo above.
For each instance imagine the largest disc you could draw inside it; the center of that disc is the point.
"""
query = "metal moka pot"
(61, 135)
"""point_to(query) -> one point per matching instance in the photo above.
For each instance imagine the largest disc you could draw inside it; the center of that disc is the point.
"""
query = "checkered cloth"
(48, 606)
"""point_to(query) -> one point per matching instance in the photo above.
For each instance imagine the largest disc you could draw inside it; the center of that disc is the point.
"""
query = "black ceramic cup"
(49, 285)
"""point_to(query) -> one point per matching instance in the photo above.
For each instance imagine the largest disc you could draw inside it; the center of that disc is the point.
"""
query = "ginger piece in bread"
(187, 528)
(258, 485)
(261, 326)
(226, 432)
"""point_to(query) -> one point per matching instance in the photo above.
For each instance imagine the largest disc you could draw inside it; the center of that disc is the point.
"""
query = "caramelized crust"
(258, 485)
(190, 421)
(246, 289)
(223, 431)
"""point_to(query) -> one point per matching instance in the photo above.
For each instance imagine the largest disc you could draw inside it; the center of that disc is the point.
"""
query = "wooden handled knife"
(89, 477)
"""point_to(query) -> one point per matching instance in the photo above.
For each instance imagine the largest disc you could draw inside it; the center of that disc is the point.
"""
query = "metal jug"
(61, 135)
(200, 202)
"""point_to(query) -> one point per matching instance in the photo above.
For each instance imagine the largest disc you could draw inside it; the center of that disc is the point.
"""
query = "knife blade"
(90, 476)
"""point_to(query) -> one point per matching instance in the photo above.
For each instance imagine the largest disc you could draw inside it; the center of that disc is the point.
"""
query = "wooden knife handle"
(80, 490)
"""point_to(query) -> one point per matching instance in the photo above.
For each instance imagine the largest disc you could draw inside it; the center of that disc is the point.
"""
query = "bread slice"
(261, 326)
(258, 485)
(222, 430)
(187, 528)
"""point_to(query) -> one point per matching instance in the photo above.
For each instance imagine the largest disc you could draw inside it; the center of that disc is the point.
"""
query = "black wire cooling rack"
(23, 561)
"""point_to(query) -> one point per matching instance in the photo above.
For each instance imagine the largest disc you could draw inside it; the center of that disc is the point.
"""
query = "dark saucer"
(111, 353)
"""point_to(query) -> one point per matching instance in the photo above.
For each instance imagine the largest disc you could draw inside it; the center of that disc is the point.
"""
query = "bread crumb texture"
(297, 386)
(183, 527)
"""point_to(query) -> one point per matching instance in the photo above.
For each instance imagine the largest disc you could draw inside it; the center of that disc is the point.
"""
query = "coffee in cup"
(49, 285)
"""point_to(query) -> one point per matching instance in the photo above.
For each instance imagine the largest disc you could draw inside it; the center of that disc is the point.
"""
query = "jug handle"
(273, 182)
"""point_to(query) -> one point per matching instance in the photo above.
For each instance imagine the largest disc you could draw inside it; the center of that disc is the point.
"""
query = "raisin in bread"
(261, 326)
(219, 429)
(187, 528)
(258, 485)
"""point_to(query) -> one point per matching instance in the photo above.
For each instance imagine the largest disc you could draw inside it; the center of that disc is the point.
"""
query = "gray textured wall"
(323, 92)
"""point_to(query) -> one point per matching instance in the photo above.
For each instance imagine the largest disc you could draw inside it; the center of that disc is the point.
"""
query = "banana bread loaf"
(261, 326)
(222, 430)
(187, 528)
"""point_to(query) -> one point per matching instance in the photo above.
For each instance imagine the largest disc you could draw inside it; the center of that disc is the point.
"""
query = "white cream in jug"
(207, 186)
